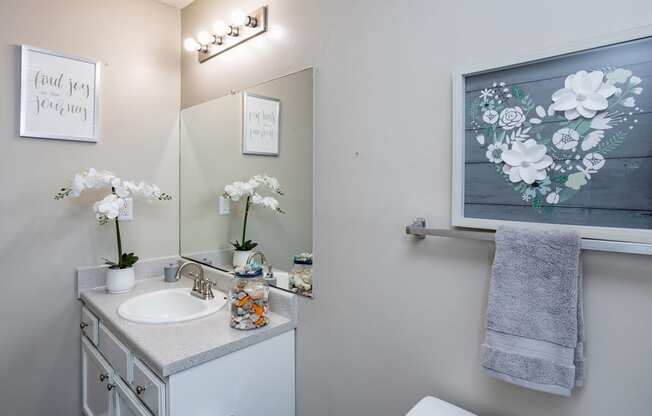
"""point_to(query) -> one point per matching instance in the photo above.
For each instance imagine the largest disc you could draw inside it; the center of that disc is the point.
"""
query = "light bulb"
(205, 38)
(191, 45)
(221, 29)
(239, 18)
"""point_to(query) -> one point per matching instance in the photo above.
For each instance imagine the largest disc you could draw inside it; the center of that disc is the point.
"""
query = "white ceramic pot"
(120, 280)
(240, 257)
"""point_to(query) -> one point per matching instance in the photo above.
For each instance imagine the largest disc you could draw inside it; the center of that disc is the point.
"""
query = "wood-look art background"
(566, 140)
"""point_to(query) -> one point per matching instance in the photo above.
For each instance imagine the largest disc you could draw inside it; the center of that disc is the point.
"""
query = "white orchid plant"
(248, 191)
(108, 208)
(547, 155)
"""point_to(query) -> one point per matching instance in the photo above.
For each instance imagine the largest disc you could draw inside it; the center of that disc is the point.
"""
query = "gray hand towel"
(535, 323)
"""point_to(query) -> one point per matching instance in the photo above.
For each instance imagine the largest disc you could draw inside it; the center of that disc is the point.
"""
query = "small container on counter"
(301, 274)
(249, 298)
(170, 272)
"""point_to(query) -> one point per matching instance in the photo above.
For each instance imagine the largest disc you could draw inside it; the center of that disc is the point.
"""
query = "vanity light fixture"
(206, 38)
(221, 29)
(225, 36)
(191, 45)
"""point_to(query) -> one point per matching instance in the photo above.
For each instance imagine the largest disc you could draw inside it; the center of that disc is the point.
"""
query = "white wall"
(42, 241)
(393, 319)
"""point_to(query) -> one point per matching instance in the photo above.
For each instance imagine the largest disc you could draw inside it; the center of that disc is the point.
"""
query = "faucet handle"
(270, 271)
(207, 289)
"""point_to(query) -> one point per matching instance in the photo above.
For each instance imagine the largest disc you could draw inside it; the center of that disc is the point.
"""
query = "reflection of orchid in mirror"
(249, 190)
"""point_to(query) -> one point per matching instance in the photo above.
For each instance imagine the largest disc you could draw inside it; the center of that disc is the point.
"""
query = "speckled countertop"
(171, 348)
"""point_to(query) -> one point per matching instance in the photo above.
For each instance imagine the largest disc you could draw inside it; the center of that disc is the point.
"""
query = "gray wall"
(42, 240)
(393, 319)
(211, 157)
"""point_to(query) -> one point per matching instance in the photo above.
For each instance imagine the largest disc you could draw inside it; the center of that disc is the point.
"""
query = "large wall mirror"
(254, 149)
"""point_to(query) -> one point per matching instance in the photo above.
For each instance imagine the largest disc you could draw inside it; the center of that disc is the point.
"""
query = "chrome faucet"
(202, 287)
(263, 262)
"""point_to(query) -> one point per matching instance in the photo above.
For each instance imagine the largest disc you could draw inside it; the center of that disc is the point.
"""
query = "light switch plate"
(224, 207)
(127, 210)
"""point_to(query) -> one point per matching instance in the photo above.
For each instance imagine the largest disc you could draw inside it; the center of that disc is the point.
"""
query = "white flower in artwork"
(637, 90)
(566, 138)
(490, 116)
(602, 121)
(592, 139)
(576, 180)
(618, 76)
(552, 198)
(486, 94)
(480, 139)
(526, 162)
(584, 94)
(629, 102)
(594, 161)
(511, 118)
(633, 81)
(495, 151)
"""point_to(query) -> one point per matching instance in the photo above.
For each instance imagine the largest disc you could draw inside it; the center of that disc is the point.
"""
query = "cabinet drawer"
(120, 358)
(149, 388)
(126, 402)
(89, 325)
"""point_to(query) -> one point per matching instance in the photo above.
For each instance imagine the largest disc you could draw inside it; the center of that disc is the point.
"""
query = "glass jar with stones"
(301, 274)
(249, 298)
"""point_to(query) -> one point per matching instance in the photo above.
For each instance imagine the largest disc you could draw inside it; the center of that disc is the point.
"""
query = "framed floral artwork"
(561, 138)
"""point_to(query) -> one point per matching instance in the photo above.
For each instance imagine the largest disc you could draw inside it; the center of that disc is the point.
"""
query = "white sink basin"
(168, 306)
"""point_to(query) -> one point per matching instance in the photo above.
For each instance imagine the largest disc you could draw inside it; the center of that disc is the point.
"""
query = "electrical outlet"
(224, 206)
(127, 210)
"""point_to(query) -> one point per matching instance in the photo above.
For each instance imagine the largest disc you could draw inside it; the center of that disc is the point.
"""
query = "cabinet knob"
(110, 386)
(140, 389)
(103, 377)
(82, 326)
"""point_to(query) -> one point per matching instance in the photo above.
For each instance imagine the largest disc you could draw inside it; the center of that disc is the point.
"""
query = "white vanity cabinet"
(96, 374)
(255, 380)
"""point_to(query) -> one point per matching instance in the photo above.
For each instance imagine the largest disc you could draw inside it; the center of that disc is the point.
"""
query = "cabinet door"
(126, 402)
(96, 373)
(149, 388)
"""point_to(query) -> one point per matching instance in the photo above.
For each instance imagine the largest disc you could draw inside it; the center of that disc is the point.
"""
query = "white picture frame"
(59, 96)
(260, 125)
(458, 218)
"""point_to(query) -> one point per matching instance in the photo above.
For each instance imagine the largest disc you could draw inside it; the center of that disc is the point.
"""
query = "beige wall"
(211, 157)
(394, 319)
(42, 240)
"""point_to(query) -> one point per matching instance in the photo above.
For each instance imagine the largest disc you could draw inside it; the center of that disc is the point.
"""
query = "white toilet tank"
(431, 406)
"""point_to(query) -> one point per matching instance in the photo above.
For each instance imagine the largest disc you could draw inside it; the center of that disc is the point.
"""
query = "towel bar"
(419, 230)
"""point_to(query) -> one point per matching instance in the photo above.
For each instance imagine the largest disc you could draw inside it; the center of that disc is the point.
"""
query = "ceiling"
(179, 4)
